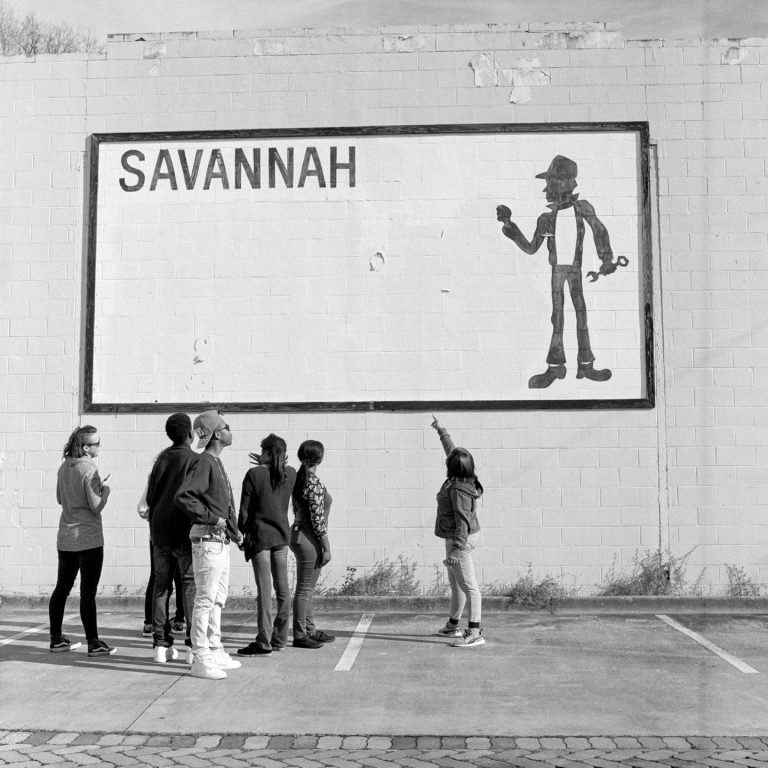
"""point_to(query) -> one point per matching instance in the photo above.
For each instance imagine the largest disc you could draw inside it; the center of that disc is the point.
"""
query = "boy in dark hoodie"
(169, 530)
(457, 523)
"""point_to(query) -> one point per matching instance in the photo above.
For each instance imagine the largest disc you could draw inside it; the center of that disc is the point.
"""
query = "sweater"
(168, 525)
(264, 512)
(81, 494)
(205, 495)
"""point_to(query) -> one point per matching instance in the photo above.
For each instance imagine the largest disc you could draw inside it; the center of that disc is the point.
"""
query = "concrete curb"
(419, 604)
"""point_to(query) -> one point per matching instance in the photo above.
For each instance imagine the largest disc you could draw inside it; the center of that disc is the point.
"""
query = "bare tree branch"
(30, 36)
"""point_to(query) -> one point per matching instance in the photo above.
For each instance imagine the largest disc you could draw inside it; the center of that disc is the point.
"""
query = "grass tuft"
(654, 573)
(385, 577)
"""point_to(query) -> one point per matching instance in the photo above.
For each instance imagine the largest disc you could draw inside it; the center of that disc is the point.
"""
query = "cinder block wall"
(572, 493)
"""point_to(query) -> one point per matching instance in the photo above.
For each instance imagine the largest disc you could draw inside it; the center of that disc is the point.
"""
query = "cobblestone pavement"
(34, 748)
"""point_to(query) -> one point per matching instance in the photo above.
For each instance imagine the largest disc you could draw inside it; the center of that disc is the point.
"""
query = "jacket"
(545, 230)
(263, 517)
(205, 495)
(168, 525)
(456, 505)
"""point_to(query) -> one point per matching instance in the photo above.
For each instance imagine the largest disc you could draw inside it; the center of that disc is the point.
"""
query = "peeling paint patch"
(581, 39)
(403, 43)
(269, 48)
(521, 94)
(155, 50)
(528, 72)
(202, 344)
(376, 262)
(523, 77)
(734, 55)
(153, 71)
(485, 68)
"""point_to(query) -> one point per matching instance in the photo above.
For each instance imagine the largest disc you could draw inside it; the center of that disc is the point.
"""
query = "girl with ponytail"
(309, 544)
(263, 520)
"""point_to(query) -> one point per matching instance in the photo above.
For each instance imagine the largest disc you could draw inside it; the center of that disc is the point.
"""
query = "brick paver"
(38, 748)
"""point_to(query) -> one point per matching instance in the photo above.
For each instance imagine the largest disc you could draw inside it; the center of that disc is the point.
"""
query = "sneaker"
(61, 644)
(277, 646)
(322, 637)
(223, 660)
(148, 630)
(449, 630)
(178, 625)
(163, 653)
(253, 649)
(207, 670)
(470, 639)
(306, 642)
(100, 648)
(190, 656)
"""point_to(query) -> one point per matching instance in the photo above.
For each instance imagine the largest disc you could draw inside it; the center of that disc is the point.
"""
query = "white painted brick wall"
(573, 494)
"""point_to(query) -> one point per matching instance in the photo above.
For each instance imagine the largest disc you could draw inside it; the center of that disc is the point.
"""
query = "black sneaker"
(61, 644)
(323, 637)
(253, 649)
(148, 630)
(100, 648)
(178, 626)
(306, 642)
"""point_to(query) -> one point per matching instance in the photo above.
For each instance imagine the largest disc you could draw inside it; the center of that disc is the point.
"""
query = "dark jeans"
(571, 275)
(271, 566)
(307, 551)
(88, 562)
(149, 595)
(167, 562)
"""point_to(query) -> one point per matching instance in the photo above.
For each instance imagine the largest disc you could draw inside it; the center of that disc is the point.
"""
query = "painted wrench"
(608, 268)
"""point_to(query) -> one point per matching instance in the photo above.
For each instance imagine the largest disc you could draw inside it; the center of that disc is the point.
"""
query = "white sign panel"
(476, 266)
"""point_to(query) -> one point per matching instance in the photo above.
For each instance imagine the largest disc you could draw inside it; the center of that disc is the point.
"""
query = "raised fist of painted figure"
(503, 213)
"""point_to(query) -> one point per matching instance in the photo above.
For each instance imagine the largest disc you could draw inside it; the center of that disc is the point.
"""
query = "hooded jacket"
(168, 525)
(456, 505)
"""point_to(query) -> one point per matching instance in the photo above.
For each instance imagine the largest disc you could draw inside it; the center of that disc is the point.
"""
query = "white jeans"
(463, 582)
(210, 562)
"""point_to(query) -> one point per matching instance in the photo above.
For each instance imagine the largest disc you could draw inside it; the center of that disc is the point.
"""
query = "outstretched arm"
(445, 438)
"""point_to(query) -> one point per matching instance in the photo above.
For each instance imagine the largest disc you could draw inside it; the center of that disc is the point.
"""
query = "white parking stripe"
(33, 630)
(742, 666)
(355, 643)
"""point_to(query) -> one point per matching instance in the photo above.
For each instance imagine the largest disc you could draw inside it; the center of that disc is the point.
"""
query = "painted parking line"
(355, 643)
(33, 630)
(742, 666)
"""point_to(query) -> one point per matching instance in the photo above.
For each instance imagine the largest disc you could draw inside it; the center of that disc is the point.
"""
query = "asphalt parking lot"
(538, 674)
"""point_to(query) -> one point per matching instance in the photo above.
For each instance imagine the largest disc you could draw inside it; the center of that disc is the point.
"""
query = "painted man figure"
(563, 228)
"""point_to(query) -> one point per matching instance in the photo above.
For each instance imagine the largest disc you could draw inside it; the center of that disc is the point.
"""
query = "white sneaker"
(223, 660)
(163, 654)
(470, 639)
(449, 630)
(190, 656)
(207, 670)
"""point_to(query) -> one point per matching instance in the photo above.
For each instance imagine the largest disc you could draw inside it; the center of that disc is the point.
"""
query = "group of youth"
(192, 517)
